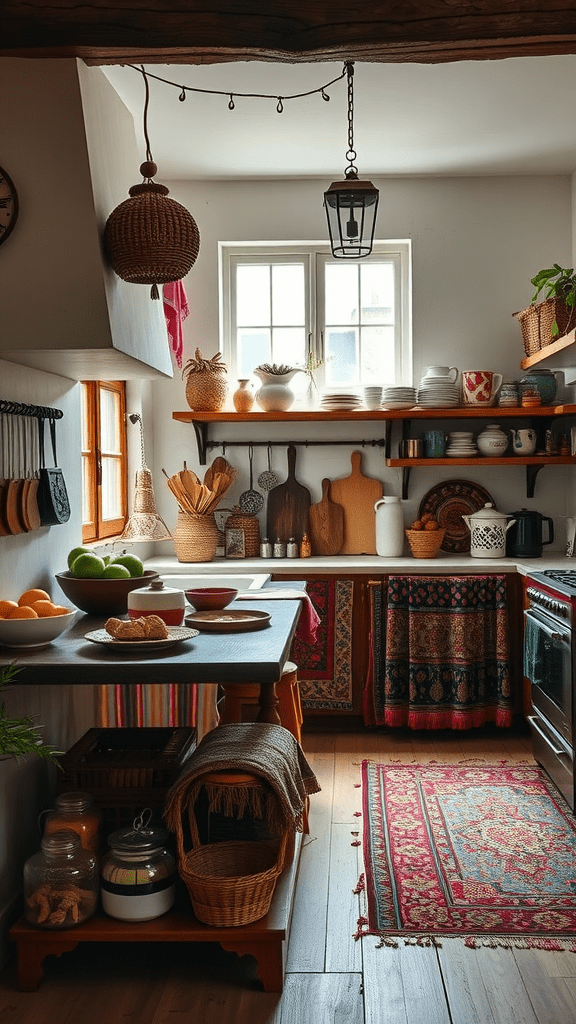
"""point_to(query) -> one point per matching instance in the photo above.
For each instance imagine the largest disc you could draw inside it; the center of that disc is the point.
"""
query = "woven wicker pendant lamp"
(150, 239)
(144, 524)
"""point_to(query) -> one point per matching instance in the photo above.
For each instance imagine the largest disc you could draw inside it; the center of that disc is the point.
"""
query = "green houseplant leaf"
(555, 282)
(21, 736)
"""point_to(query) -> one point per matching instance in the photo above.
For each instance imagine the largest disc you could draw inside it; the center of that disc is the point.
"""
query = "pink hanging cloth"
(176, 309)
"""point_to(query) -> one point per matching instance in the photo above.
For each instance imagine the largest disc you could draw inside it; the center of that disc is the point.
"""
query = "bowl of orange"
(34, 620)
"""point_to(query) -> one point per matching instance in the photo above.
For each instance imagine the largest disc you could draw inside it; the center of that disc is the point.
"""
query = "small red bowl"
(205, 599)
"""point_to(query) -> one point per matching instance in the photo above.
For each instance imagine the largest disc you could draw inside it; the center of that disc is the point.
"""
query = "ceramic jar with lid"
(138, 873)
(168, 603)
(488, 529)
(78, 812)
(493, 441)
(60, 882)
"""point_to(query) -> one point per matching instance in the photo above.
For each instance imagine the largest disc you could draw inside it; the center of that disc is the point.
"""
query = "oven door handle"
(552, 634)
(559, 751)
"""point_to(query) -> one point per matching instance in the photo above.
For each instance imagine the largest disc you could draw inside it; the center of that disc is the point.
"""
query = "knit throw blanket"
(269, 751)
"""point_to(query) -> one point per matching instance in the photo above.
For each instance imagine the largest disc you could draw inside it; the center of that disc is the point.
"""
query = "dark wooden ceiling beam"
(194, 32)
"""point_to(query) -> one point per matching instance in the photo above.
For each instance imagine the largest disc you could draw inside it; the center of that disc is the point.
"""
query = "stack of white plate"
(398, 398)
(438, 393)
(461, 445)
(372, 397)
(340, 401)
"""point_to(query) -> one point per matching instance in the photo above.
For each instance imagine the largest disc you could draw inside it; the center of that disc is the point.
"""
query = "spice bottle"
(305, 546)
(60, 882)
(265, 549)
(77, 811)
(292, 548)
(279, 548)
(138, 880)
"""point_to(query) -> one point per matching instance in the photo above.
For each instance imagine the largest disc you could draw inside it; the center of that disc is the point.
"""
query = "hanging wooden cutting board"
(326, 524)
(288, 506)
(357, 494)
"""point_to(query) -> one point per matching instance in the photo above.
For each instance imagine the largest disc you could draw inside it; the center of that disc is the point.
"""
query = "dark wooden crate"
(126, 769)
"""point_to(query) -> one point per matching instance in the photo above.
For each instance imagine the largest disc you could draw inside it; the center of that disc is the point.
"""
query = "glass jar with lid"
(75, 810)
(60, 882)
(138, 873)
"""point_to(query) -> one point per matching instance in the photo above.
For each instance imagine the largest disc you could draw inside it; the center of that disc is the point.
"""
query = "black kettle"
(524, 538)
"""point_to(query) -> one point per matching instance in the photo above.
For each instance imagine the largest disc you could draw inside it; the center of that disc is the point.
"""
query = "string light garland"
(280, 100)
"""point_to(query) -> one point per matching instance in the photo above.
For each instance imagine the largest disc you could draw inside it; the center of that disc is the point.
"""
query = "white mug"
(523, 441)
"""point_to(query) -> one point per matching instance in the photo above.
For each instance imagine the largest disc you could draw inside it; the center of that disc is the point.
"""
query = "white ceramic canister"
(157, 599)
(389, 527)
(492, 441)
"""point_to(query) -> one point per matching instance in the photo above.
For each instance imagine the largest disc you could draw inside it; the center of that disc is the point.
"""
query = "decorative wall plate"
(448, 502)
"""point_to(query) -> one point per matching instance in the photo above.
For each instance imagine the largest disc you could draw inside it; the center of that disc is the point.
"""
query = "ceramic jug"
(523, 441)
(488, 529)
(389, 527)
(545, 381)
(526, 540)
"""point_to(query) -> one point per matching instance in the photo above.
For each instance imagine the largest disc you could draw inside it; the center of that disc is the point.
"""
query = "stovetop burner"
(564, 579)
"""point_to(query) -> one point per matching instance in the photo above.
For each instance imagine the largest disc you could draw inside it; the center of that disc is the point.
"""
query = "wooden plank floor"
(330, 978)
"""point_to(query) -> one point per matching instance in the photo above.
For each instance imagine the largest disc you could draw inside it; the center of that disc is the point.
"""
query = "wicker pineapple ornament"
(206, 382)
(150, 239)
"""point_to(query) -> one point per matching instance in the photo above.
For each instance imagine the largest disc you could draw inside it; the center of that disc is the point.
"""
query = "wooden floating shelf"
(549, 350)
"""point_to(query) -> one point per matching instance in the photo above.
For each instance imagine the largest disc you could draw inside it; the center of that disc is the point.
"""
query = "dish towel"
(309, 618)
(176, 309)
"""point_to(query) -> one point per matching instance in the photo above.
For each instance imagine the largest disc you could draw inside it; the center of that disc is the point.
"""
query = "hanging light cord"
(145, 118)
(245, 95)
(135, 417)
(351, 170)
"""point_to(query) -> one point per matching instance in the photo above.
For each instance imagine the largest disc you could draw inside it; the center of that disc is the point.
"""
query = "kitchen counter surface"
(349, 565)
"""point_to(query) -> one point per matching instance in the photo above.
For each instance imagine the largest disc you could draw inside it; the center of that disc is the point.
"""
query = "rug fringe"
(549, 944)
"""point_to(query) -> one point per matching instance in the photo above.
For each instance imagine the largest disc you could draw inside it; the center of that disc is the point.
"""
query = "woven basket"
(195, 537)
(248, 522)
(425, 543)
(207, 390)
(150, 239)
(536, 323)
(232, 883)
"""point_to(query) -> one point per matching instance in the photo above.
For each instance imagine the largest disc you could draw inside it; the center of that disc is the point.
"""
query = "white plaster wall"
(476, 244)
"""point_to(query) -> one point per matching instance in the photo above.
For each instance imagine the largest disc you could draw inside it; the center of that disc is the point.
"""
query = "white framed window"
(294, 303)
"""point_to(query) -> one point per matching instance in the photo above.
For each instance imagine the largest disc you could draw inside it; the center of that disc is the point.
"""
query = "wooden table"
(254, 657)
(257, 657)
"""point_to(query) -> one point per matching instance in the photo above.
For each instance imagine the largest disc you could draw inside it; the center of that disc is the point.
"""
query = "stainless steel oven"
(549, 667)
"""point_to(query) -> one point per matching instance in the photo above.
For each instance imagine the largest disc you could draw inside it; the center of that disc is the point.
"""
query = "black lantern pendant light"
(351, 204)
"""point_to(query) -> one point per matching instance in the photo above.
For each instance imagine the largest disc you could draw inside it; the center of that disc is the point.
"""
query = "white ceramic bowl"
(34, 632)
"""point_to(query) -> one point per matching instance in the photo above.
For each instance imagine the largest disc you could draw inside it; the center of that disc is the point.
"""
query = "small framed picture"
(235, 544)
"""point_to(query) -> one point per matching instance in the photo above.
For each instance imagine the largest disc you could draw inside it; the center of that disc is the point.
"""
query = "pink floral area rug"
(483, 851)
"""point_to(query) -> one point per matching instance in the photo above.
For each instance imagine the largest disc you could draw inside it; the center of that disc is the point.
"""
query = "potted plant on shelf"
(554, 315)
(21, 736)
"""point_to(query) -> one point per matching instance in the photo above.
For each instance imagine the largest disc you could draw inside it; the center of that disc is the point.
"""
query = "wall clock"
(8, 205)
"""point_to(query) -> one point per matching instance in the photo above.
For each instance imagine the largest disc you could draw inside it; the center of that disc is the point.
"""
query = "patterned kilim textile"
(325, 667)
(487, 852)
(439, 653)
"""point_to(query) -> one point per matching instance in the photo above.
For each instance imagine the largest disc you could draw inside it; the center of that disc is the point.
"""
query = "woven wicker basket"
(425, 543)
(195, 537)
(207, 390)
(232, 883)
(150, 239)
(248, 522)
(536, 323)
